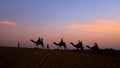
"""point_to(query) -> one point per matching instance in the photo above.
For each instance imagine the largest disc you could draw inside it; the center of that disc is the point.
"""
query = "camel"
(95, 48)
(60, 44)
(38, 42)
(77, 46)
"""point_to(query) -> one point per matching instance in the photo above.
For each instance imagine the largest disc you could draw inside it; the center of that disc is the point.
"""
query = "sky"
(86, 20)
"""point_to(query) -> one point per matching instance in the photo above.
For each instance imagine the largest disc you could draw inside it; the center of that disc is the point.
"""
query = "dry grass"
(36, 58)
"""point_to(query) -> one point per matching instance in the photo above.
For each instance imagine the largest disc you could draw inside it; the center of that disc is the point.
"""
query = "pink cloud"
(7, 23)
(97, 26)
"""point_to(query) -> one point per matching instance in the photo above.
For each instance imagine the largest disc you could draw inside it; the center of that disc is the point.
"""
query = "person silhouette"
(18, 44)
(95, 46)
(39, 39)
(61, 40)
(48, 46)
(79, 42)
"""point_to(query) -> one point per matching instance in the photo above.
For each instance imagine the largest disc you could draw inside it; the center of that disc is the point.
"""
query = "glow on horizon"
(97, 26)
(7, 23)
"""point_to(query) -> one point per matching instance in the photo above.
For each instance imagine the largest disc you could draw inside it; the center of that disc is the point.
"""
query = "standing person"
(18, 44)
(48, 46)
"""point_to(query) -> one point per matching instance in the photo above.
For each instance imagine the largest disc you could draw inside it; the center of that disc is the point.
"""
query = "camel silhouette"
(77, 46)
(60, 44)
(95, 48)
(38, 42)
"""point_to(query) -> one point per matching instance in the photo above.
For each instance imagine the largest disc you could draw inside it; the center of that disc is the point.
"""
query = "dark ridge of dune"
(11, 57)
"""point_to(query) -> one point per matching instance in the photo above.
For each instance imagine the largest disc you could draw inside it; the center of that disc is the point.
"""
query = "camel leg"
(61, 47)
(38, 46)
(43, 47)
(58, 47)
(65, 48)
(82, 49)
(35, 46)
(77, 49)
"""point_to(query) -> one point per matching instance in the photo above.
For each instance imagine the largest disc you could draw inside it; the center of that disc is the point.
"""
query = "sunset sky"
(87, 20)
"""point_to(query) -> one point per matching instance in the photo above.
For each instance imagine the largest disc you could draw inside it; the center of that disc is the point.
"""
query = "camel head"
(88, 47)
(55, 43)
(71, 43)
(31, 39)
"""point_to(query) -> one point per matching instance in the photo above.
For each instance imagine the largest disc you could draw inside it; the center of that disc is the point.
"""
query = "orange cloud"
(7, 23)
(98, 26)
